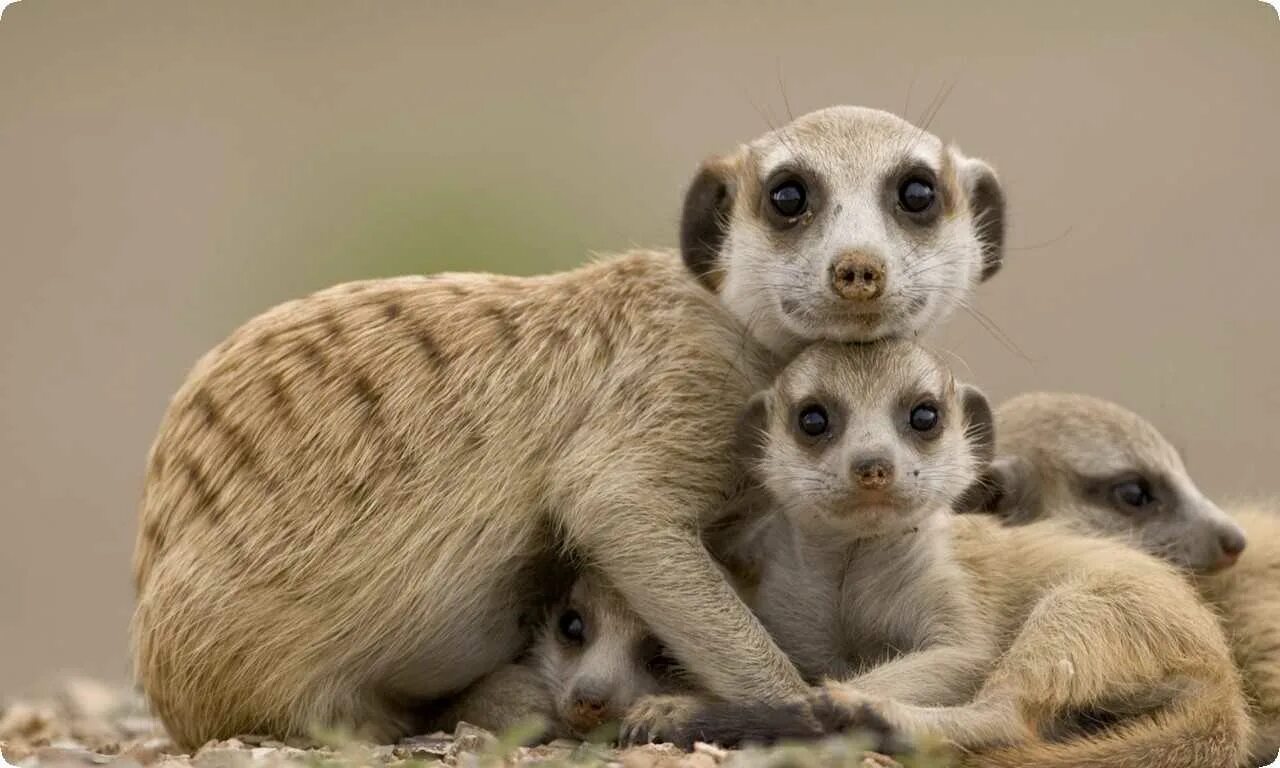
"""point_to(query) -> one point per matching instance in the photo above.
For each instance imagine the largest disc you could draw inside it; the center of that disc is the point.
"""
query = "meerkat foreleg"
(938, 676)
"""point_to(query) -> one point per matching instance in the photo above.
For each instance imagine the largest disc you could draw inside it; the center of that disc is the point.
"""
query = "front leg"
(938, 676)
(659, 565)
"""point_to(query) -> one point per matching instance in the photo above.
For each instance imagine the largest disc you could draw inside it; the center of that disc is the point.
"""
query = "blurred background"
(168, 170)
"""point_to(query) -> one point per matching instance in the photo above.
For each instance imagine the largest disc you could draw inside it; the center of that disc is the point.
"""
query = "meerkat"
(1102, 469)
(1018, 645)
(591, 661)
(350, 501)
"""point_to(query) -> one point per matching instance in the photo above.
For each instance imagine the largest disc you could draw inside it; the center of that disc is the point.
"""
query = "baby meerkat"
(1103, 469)
(591, 661)
(350, 500)
(1019, 645)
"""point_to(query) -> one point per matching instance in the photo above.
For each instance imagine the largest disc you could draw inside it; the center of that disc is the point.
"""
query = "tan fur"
(1004, 641)
(353, 499)
(1063, 440)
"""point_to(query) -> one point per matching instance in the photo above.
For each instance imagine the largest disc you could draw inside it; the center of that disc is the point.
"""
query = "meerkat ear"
(979, 423)
(1009, 489)
(704, 222)
(986, 204)
(749, 438)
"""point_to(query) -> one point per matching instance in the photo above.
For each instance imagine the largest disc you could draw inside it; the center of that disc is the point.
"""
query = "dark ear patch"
(987, 204)
(1009, 488)
(750, 434)
(979, 423)
(704, 222)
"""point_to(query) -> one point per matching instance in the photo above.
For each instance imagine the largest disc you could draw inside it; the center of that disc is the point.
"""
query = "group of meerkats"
(718, 494)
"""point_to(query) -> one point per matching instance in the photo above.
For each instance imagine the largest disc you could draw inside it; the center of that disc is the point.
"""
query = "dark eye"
(572, 627)
(915, 195)
(789, 198)
(924, 417)
(1133, 493)
(813, 420)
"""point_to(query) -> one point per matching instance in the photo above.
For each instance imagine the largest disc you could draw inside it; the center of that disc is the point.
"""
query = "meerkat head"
(847, 224)
(867, 439)
(1106, 469)
(597, 658)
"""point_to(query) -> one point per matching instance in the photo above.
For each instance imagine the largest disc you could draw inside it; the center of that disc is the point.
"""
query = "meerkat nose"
(858, 276)
(873, 474)
(589, 712)
(1232, 542)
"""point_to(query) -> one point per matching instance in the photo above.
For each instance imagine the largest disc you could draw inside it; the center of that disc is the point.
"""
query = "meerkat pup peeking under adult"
(1105, 470)
(350, 500)
(591, 660)
(1020, 646)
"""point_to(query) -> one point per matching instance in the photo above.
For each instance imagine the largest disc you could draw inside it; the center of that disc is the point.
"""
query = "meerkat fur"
(1075, 652)
(351, 501)
(1103, 470)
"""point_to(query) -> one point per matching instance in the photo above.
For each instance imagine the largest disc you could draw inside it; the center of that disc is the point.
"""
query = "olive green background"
(168, 169)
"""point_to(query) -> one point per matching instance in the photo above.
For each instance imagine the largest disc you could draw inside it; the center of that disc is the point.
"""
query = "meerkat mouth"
(840, 323)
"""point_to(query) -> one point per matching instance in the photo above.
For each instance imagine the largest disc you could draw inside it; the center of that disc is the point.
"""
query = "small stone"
(65, 756)
(423, 747)
(13, 753)
(715, 752)
(468, 738)
(220, 757)
(23, 722)
(85, 698)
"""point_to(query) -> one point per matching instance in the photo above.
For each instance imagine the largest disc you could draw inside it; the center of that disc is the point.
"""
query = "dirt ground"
(88, 723)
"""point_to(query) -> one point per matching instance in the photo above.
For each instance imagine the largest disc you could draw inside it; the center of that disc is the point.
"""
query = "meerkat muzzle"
(858, 276)
(873, 474)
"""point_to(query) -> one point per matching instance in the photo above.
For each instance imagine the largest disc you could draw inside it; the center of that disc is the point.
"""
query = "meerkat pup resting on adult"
(591, 660)
(351, 499)
(1103, 469)
(1021, 646)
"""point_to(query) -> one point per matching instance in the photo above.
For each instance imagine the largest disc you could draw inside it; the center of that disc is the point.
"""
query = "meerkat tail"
(1206, 734)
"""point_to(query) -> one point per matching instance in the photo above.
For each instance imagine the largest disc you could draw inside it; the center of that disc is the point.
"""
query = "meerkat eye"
(924, 417)
(572, 628)
(789, 198)
(1133, 493)
(813, 420)
(915, 195)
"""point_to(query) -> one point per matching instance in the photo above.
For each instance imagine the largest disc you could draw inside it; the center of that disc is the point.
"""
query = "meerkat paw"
(658, 719)
(684, 721)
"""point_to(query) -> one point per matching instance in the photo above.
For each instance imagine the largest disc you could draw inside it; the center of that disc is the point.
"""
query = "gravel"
(89, 723)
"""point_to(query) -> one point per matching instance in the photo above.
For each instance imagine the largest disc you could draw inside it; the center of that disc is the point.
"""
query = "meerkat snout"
(1232, 542)
(858, 276)
(873, 474)
(590, 708)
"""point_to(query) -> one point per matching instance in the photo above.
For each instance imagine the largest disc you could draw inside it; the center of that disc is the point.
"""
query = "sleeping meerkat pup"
(1020, 646)
(591, 660)
(1103, 469)
(350, 500)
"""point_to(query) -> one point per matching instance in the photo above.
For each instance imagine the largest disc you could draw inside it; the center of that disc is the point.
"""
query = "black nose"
(1232, 541)
(873, 474)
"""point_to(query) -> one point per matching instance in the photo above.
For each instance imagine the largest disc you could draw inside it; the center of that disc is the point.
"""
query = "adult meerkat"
(1019, 645)
(1105, 470)
(350, 499)
(591, 660)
